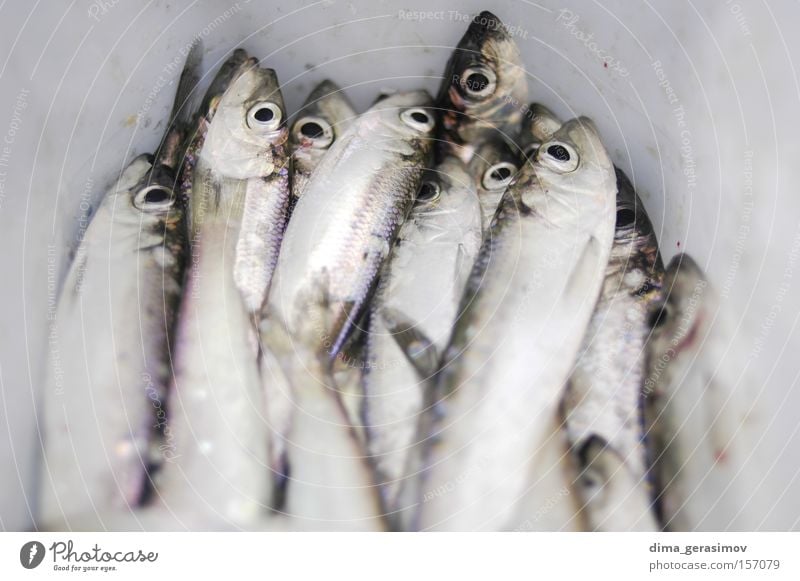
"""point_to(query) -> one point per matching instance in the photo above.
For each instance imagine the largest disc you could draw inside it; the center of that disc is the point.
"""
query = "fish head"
(326, 114)
(405, 119)
(538, 126)
(144, 197)
(494, 165)
(575, 162)
(484, 85)
(447, 201)
(247, 135)
(230, 70)
(678, 319)
(634, 234)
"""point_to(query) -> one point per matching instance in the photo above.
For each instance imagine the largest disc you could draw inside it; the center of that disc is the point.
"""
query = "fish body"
(484, 89)
(348, 216)
(489, 436)
(603, 400)
(702, 410)
(324, 118)
(422, 283)
(114, 322)
(247, 144)
(220, 440)
(104, 411)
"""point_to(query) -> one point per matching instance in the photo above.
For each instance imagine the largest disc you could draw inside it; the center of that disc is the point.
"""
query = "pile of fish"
(437, 314)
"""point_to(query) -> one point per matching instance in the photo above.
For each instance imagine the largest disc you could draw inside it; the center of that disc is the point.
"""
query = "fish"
(489, 444)
(346, 221)
(233, 66)
(538, 125)
(702, 410)
(323, 118)
(114, 322)
(493, 167)
(219, 459)
(251, 151)
(602, 405)
(421, 284)
(329, 483)
(484, 88)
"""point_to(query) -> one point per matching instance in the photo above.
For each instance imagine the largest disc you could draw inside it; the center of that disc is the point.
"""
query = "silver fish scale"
(260, 236)
(345, 222)
(422, 282)
(604, 394)
(488, 436)
(119, 300)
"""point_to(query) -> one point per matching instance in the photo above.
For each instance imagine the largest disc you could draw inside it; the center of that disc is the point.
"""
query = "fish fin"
(415, 345)
(171, 149)
(187, 85)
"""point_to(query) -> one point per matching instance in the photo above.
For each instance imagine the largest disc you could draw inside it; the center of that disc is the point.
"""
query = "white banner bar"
(390, 556)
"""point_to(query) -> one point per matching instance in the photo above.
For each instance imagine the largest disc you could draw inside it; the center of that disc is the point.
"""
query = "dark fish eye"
(420, 117)
(476, 82)
(558, 152)
(311, 130)
(428, 191)
(156, 195)
(263, 114)
(501, 173)
(154, 198)
(264, 117)
(625, 217)
(498, 176)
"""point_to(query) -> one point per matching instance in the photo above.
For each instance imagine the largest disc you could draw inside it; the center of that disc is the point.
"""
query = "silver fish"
(490, 446)
(484, 88)
(602, 406)
(702, 410)
(329, 485)
(493, 167)
(422, 283)
(114, 321)
(324, 118)
(219, 464)
(351, 209)
(233, 66)
(250, 152)
(538, 125)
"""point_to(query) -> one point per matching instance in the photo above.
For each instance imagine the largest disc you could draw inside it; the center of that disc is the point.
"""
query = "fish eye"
(478, 82)
(418, 119)
(264, 117)
(428, 192)
(558, 156)
(154, 198)
(625, 217)
(314, 129)
(499, 176)
(558, 152)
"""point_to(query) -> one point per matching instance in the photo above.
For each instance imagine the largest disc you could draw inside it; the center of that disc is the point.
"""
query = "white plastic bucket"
(698, 103)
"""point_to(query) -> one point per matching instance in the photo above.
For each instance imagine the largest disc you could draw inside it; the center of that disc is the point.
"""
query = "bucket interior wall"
(697, 102)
